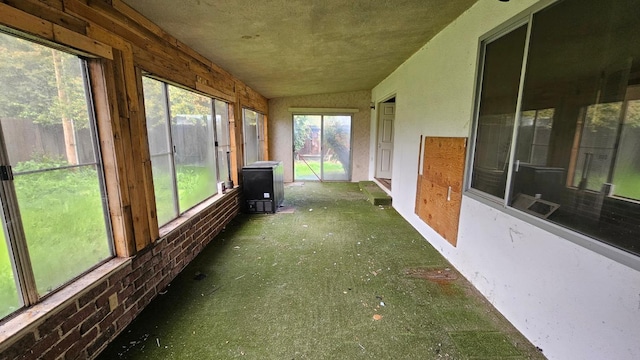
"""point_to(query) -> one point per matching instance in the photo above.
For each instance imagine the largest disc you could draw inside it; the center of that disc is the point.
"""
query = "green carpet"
(335, 279)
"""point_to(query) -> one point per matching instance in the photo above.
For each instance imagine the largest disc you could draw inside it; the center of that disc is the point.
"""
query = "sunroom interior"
(125, 126)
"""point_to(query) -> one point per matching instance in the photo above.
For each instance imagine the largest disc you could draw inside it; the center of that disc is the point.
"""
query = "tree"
(337, 135)
(44, 86)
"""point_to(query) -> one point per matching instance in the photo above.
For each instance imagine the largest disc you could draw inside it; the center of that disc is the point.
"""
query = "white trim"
(320, 111)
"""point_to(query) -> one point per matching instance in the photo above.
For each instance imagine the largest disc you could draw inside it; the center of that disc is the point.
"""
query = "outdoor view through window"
(48, 140)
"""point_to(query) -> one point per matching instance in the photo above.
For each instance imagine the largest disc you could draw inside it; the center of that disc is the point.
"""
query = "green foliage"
(302, 131)
(28, 86)
(337, 135)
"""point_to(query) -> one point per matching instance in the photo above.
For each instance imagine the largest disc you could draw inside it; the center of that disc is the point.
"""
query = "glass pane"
(250, 130)
(45, 120)
(588, 74)
(155, 107)
(222, 136)
(64, 223)
(9, 298)
(162, 169)
(336, 164)
(307, 148)
(43, 106)
(626, 178)
(597, 143)
(500, 82)
(192, 134)
(261, 137)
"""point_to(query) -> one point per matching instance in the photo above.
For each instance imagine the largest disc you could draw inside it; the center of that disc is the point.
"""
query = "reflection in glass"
(496, 113)
(586, 176)
(251, 128)
(222, 136)
(336, 159)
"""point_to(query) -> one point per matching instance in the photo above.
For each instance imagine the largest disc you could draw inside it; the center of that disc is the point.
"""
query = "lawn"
(332, 170)
(63, 221)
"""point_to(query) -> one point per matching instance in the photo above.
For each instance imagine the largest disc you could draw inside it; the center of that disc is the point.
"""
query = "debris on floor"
(199, 276)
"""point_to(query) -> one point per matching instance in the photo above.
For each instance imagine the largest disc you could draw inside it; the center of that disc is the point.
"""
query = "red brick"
(21, 345)
(131, 277)
(75, 320)
(92, 320)
(119, 275)
(125, 293)
(110, 319)
(103, 300)
(56, 319)
(75, 350)
(142, 257)
(63, 344)
(92, 294)
(101, 341)
(42, 345)
(124, 320)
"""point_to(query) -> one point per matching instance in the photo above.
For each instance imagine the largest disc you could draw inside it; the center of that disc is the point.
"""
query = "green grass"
(64, 225)
(627, 184)
(303, 171)
(194, 183)
(63, 221)
(307, 284)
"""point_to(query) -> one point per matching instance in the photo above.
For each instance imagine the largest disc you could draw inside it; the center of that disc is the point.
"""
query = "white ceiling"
(286, 48)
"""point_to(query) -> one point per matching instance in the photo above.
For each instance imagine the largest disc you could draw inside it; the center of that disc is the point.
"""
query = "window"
(182, 143)
(54, 216)
(222, 139)
(573, 156)
(253, 128)
(322, 147)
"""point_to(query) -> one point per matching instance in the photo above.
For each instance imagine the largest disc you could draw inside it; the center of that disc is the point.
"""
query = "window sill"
(174, 224)
(28, 318)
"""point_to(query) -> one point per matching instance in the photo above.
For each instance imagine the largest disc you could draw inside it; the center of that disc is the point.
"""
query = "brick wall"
(83, 327)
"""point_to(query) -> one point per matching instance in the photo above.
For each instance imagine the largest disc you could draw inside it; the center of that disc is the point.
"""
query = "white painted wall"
(571, 302)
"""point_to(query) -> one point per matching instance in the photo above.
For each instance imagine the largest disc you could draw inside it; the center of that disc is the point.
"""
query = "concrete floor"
(329, 277)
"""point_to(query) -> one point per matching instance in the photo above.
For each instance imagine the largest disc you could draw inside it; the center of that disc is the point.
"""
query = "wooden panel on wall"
(122, 44)
(439, 192)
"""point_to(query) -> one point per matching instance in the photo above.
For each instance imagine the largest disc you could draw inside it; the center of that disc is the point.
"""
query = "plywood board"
(439, 191)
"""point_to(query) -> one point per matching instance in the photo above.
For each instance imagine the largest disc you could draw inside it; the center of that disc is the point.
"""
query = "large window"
(253, 128)
(181, 128)
(563, 146)
(322, 147)
(54, 217)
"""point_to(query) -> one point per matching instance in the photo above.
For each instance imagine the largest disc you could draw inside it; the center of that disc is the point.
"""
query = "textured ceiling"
(300, 47)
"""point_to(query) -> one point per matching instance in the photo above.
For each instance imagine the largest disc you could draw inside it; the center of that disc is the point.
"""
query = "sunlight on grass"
(305, 171)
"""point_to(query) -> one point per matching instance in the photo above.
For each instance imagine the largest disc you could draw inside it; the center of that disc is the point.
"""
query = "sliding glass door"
(322, 147)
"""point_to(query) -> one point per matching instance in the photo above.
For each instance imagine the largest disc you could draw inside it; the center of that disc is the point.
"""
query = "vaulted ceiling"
(298, 47)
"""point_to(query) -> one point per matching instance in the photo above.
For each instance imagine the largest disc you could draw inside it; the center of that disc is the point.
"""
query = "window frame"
(15, 237)
(322, 115)
(170, 142)
(502, 204)
(260, 124)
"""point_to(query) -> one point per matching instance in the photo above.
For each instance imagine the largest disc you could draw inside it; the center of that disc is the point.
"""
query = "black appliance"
(263, 186)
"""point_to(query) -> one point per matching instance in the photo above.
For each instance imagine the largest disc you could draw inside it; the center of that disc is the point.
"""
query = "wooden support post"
(113, 155)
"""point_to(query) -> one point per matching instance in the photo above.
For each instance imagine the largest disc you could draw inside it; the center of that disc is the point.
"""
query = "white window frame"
(502, 204)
